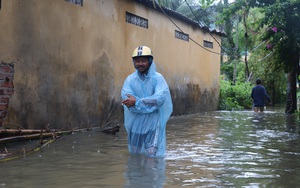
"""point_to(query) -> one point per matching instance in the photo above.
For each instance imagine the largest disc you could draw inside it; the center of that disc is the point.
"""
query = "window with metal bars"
(76, 2)
(208, 44)
(136, 20)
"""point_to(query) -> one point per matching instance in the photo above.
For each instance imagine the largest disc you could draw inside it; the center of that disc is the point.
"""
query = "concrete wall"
(70, 61)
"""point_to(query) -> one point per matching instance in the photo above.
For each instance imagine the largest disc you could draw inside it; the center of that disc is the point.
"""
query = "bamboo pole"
(10, 156)
(33, 136)
(21, 131)
(41, 135)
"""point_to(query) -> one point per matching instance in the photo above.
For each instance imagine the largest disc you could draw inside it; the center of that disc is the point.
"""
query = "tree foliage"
(279, 25)
(278, 31)
(263, 38)
(200, 11)
(234, 97)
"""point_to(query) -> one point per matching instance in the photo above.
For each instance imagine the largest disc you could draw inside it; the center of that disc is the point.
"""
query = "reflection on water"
(213, 149)
(145, 172)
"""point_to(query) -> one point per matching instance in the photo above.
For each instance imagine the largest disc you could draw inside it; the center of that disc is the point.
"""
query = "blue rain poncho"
(145, 122)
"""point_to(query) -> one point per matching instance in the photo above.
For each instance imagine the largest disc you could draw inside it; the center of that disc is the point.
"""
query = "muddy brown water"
(212, 149)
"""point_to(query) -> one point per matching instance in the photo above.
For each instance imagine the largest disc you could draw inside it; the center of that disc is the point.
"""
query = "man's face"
(141, 64)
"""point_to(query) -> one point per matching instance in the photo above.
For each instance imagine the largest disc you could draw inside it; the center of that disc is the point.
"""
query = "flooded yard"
(212, 149)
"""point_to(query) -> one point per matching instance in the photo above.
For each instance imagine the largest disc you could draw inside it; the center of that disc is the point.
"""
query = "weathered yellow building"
(70, 60)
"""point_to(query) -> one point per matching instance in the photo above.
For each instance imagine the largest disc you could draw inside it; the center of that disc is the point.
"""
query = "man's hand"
(130, 101)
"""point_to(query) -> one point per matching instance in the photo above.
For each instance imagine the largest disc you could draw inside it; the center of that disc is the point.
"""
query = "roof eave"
(178, 16)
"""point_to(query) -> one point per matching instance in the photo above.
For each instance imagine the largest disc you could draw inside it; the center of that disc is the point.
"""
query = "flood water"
(212, 149)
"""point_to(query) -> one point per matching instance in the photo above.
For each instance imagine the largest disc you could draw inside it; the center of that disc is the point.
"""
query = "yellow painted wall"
(70, 61)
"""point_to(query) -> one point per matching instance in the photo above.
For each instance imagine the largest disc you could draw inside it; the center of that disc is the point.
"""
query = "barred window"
(136, 20)
(181, 35)
(208, 44)
(76, 2)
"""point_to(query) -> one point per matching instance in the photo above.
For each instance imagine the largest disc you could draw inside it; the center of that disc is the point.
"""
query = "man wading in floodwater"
(147, 106)
(258, 94)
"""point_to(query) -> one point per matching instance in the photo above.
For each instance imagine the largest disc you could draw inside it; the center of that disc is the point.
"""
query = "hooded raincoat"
(145, 122)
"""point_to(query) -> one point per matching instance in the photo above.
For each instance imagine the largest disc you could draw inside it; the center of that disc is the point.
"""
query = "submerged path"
(213, 149)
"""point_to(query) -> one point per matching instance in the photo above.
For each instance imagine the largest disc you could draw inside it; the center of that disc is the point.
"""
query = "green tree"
(283, 36)
(281, 32)
(200, 11)
(172, 4)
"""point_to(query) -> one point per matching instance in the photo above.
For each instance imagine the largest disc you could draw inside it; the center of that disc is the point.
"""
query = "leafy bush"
(234, 97)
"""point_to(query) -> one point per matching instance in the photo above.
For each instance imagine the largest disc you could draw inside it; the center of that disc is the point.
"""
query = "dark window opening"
(136, 20)
(208, 44)
(181, 35)
(76, 2)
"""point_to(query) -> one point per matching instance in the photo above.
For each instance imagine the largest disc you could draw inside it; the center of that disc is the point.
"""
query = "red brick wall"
(6, 88)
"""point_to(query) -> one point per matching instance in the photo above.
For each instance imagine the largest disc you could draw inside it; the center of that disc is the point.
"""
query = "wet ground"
(213, 149)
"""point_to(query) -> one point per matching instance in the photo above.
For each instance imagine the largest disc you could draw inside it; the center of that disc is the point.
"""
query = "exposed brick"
(4, 76)
(3, 114)
(4, 99)
(8, 91)
(6, 68)
(7, 84)
(3, 106)
(6, 87)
